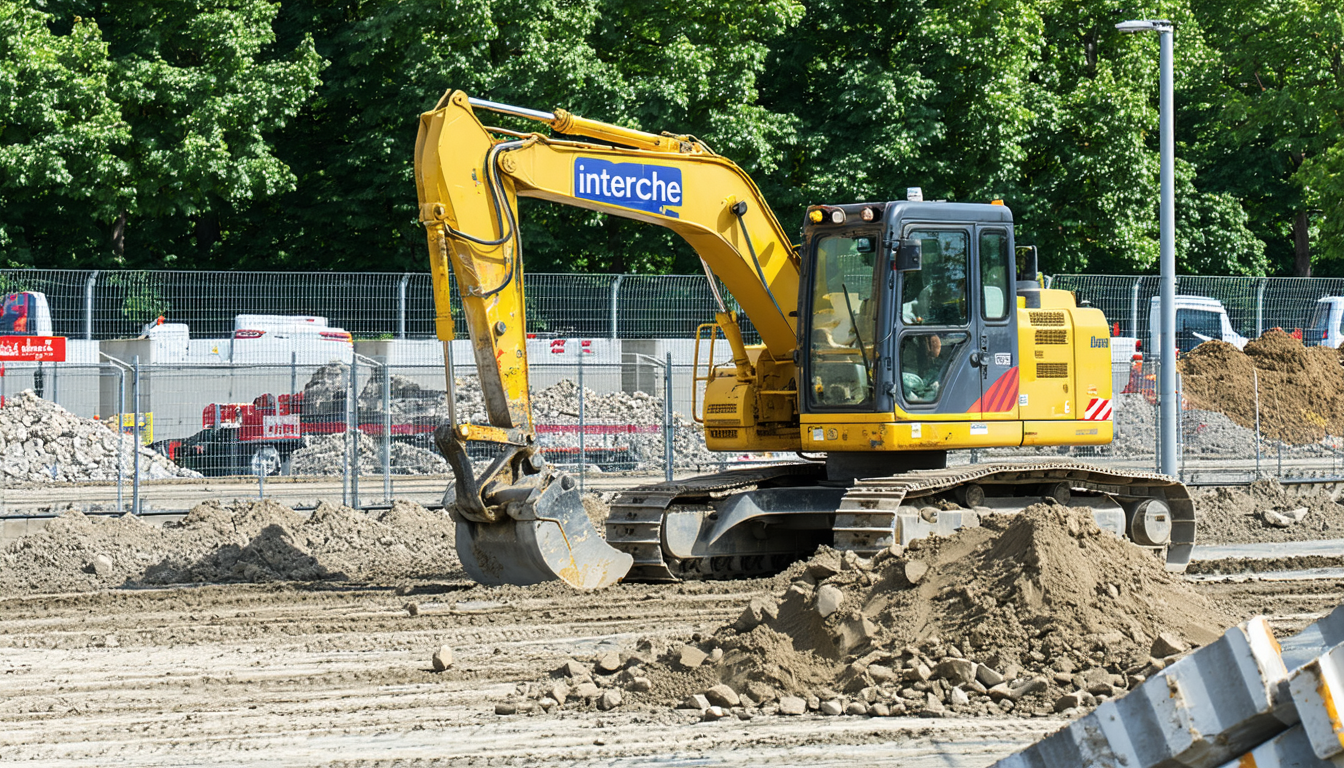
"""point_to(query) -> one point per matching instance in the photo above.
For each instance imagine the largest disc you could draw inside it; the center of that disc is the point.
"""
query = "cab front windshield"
(842, 347)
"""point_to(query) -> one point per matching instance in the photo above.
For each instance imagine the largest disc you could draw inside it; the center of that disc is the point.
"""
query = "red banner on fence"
(32, 349)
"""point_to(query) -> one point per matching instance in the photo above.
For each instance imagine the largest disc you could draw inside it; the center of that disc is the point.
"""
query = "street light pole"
(1167, 239)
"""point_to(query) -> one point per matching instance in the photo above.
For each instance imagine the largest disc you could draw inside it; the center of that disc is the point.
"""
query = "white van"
(1198, 319)
(280, 339)
(1326, 328)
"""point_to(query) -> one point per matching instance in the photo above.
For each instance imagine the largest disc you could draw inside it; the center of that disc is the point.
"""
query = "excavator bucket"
(540, 533)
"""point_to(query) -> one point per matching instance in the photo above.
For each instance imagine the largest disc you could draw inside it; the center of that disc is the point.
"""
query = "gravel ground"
(341, 675)
(323, 655)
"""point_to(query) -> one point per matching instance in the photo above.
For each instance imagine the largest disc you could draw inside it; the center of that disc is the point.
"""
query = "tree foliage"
(255, 134)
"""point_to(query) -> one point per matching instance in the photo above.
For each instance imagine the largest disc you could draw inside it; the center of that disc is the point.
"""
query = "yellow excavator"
(894, 333)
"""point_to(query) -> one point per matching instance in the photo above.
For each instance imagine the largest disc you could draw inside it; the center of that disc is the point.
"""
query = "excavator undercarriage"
(751, 522)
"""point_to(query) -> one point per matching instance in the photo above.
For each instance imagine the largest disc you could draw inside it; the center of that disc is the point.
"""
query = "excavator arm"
(520, 520)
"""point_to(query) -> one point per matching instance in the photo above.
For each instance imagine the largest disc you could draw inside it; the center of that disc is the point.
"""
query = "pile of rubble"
(1297, 392)
(1028, 614)
(624, 430)
(329, 454)
(1266, 511)
(41, 442)
(559, 405)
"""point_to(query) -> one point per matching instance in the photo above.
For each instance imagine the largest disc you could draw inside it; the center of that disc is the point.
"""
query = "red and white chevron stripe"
(1098, 409)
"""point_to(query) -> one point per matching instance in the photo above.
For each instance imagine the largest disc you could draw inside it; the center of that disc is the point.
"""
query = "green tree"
(1279, 131)
(201, 86)
(58, 128)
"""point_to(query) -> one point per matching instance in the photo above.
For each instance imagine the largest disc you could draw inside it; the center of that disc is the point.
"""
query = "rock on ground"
(1007, 617)
(1237, 515)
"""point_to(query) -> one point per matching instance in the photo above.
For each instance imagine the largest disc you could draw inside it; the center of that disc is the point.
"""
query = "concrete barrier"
(1215, 704)
(1318, 693)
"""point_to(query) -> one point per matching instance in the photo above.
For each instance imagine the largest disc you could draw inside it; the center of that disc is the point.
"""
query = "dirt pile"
(42, 443)
(1266, 511)
(1032, 613)
(240, 542)
(1301, 389)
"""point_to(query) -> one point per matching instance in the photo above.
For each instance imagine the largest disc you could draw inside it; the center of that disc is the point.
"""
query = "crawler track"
(867, 518)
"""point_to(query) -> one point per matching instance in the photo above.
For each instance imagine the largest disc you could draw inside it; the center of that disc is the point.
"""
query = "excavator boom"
(521, 520)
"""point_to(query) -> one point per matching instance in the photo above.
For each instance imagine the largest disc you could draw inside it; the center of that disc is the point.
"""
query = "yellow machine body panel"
(1065, 368)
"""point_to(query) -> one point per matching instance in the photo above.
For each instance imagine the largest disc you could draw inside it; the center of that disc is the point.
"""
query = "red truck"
(237, 437)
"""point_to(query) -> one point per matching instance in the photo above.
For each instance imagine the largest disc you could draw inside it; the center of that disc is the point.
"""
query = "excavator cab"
(909, 309)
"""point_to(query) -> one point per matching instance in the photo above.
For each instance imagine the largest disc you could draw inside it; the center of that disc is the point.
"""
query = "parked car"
(1198, 319)
(272, 339)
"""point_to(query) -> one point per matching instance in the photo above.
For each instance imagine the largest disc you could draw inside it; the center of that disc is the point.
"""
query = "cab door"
(995, 325)
(936, 326)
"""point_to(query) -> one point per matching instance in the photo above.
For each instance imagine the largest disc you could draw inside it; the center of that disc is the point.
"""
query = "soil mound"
(239, 542)
(1006, 617)
(1301, 389)
(1231, 515)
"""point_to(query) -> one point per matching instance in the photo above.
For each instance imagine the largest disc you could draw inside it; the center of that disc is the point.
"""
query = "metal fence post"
(135, 445)
(121, 434)
(88, 304)
(1255, 379)
(352, 429)
(1180, 427)
(1134, 308)
(345, 446)
(669, 426)
(401, 305)
(583, 452)
(1260, 308)
(615, 298)
(293, 374)
(387, 432)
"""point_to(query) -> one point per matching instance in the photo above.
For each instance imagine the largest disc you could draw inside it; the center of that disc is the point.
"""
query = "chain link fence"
(1253, 304)
(117, 304)
(358, 431)
(369, 305)
(358, 426)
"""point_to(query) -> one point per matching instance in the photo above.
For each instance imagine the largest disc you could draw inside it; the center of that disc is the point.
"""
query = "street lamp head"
(1147, 25)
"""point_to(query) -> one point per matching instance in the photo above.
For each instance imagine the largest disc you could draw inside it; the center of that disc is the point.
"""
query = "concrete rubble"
(328, 455)
(624, 430)
(42, 443)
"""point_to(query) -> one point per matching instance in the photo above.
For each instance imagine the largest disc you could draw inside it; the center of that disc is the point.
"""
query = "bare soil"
(1301, 389)
(316, 648)
(1235, 515)
(1240, 565)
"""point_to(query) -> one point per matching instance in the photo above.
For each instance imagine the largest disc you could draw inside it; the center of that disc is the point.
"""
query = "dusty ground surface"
(336, 669)
(1237, 515)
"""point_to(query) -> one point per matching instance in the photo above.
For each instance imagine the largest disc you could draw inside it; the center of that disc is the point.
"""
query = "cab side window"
(995, 273)
(937, 296)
